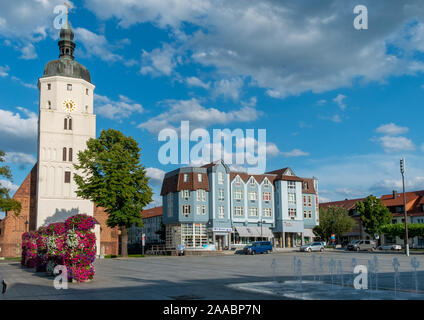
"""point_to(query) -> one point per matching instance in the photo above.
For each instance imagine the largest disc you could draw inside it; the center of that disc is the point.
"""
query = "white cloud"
(339, 100)
(9, 185)
(396, 144)
(391, 129)
(198, 115)
(18, 130)
(228, 88)
(19, 158)
(295, 153)
(96, 45)
(196, 82)
(160, 61)
(156, 175)
(352, 176)
(321, 102)
(116, 110)
(28, 52)
(22, 83)
(4, 71)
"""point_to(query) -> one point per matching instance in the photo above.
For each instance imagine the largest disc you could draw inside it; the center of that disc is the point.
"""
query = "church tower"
(66, 121)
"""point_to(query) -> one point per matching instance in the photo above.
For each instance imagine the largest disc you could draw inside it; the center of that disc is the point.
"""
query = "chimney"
(395, 194)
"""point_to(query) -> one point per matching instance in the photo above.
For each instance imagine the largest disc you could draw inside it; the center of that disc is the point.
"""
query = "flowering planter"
(71, 243)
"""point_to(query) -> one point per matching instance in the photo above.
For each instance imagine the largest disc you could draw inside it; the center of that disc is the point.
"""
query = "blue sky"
(340, 104)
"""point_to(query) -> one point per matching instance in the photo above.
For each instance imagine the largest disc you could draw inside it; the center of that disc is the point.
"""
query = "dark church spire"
(66, 42)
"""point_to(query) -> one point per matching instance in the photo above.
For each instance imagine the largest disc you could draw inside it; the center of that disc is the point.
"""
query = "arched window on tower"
(70, 154)
(67, 125)
(64, 154)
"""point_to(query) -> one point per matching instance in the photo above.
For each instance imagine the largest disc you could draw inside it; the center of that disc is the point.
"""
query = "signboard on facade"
(292, 226)
(219, 229)
(143, 240)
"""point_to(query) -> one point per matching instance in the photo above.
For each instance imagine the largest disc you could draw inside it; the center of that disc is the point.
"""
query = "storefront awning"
(254, 232)
(308, 233)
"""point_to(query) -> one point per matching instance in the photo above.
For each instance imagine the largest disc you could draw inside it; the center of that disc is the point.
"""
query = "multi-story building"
(212, 205)
(394, 202)
(152, 221)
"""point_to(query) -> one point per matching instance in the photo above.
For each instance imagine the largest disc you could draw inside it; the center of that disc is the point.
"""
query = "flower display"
(71, 243)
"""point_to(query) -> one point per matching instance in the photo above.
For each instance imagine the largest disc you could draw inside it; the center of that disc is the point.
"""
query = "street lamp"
(402, 171)
(262, 222)
(26, 224)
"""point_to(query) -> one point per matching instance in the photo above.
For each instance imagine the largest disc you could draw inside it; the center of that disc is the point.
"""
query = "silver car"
(312, 246)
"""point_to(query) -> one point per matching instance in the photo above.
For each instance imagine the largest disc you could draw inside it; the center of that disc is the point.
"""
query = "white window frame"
(252, 182)
(185, 177)
(238, 211)
(199, 177)
(267, 212)
(238, 194)
(221, 194)
(291, 198)
(253, 210)
(220, 177)
(186, 194)
(253, 195)
(203, 210)
(221, 212)
(186, 210)
(266, 196)
(238, 180)
(292, 212)
(291, 185)
(266, 183)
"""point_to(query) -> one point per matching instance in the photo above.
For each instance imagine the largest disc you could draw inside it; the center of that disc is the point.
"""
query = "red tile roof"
(347, 204)
(152, 212)
(176, 183)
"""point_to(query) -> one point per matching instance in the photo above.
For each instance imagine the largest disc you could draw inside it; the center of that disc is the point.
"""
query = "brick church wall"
(109, 236)
(12, 226)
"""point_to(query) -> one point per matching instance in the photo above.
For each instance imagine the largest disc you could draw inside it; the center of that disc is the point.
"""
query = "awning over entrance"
(308, 233)
(254, 232)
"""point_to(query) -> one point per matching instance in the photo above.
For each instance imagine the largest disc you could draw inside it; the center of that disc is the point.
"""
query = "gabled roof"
(152, 212)
(347, 204)
(176, 182)
(283, 174)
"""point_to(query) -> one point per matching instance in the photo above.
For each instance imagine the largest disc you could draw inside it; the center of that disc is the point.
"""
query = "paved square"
(202, 277)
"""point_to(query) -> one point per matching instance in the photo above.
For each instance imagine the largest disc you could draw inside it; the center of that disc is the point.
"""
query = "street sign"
(376, 236)
(143, 240)
(333, 236)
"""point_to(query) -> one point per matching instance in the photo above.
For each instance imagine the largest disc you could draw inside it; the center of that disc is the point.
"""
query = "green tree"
(112, 177)
(398, 230)
(6, 202)
(333, 220)
(373, 214)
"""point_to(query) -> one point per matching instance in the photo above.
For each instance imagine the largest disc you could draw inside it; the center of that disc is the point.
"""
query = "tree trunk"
(124, 241)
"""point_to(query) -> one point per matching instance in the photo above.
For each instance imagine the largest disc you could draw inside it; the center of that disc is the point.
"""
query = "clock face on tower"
(69, 105)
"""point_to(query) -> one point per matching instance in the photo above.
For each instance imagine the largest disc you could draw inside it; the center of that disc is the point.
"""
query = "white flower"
(72, 239)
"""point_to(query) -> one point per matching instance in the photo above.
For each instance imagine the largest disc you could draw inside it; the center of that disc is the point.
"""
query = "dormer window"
(252, 182)
(238, 180)
(305, 185)
(185, 177)
(266, 183)
(199, 177)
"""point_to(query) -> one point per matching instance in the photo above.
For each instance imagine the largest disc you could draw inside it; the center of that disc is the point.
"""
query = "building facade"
(212, 207)
(152, 221)
(394, 202)
(66, 121)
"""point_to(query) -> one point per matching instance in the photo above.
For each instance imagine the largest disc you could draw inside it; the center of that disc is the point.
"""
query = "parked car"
(312, 246)
(358, 245)
(258, 247)
(390, 247)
